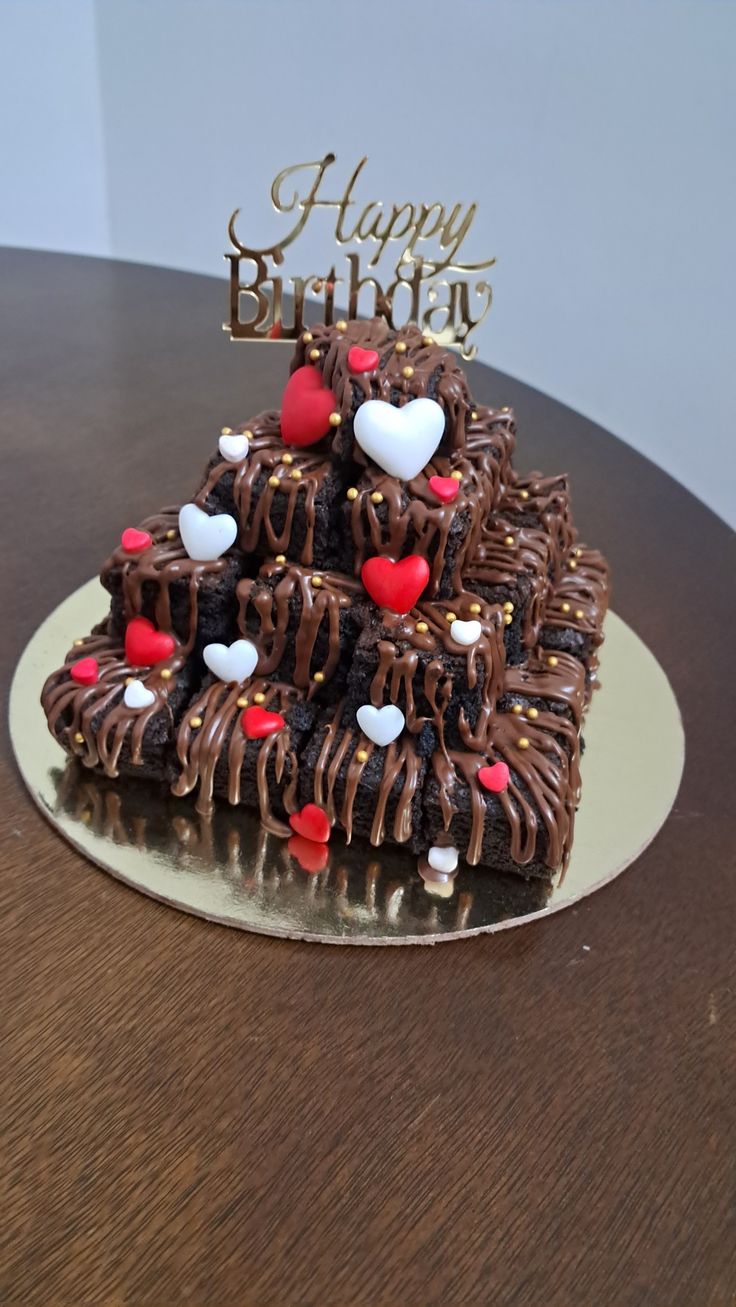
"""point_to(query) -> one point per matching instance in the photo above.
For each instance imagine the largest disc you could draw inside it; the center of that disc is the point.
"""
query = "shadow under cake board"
(229, 870)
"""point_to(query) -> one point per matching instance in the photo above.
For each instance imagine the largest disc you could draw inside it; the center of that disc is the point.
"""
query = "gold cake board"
(229, 870)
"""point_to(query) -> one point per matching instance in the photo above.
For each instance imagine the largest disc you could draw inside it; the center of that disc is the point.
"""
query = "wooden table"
(194, 1115)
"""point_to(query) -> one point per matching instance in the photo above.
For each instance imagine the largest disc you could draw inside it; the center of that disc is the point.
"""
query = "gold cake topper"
(430, 286)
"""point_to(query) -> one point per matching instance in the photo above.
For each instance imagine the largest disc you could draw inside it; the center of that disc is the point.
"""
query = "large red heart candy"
(312, 823)
(395, 585)
(445, 488)
(257, 723)
(495, 778)
(362, 360)
(144, 645)
(85, 672)
(135, 541)
(310, 855)
(306, 407)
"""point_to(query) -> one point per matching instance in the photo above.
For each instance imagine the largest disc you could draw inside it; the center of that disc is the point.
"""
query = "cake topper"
(429, 283)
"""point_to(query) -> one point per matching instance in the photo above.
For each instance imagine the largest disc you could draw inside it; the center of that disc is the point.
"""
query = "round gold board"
(228, 869)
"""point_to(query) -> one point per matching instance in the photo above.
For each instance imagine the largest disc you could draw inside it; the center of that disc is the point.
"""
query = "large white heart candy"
(137, 695)
(205, 538)
(400, 440)
(465, 632)
(443, 858)
(233, 447)
(381, 725)
(235, 662)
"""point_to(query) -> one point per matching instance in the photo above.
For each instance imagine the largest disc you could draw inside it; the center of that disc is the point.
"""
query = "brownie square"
(543, 502)
(512, 567)
(575, 611)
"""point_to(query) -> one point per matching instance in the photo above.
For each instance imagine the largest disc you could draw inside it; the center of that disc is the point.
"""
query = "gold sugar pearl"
(316, 582)
(129, 680)
(523, 494)
(522, 742)
(171, 535)
(508, 607)
(242, 702)
(571, 564)
(533, 713)
(195, 722)
(280, 558)
(335, 419)
(456, 476)
(552, 661)
(422, 628)
(427, 340)
(376, 497)
(248, 434)
(307, 337)
(475, 608)
(450, 617)
(401, 347)
(317, 286)
(352, 493)
(78, 737)
(578, 553)
(507, 619)
(226, 431)
(288, 459)
(407, 372)
(295, 474)
(319, 677)
(273, 481)
(473, 415)
(517, 708)
(362, 755)
(505, 409)
(579, 613)
(259, 697)
(565, 608)
(314, 355)
(341, 325)
(508, 540)
(165, 673)
(78, 644)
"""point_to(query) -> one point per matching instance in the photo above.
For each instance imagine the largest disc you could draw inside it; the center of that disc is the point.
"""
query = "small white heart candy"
(443, 857)
(381, 725)
(137, 695)
(206, 538)
(465, 632)
(230, 663)
(400, 440)
(233, 448)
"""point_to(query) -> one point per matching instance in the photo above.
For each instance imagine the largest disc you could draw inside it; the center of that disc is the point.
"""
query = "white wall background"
(597, 136)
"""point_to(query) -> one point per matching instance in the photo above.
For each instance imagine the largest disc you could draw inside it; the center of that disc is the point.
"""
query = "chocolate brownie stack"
(366, 621)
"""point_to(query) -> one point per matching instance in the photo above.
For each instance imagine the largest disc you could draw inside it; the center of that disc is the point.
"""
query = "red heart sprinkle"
(362, 360)
(135, 541)
(257, 723)
(85, 672)
(306, 406)
(445, 488)
(144, 645)
(312, 823)
(310, 855)
(495, 778)
(275, 331)
(395, 585)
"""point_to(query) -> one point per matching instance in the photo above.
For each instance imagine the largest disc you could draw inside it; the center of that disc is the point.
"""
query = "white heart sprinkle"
(465, 632)
(381, 725)
(137, 695)
(205, 538)
(443, 857)
(400, 440)
(230, 663)
(233, 448)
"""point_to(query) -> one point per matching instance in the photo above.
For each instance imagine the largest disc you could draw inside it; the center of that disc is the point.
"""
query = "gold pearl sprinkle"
(565, 608)
(422, 628)
(450, 617)
(474, 415)
(401, 347)
(171, 535)
(552, 661)
(314, 355)
(273, 481)
(195, 722)
(288, 459)
(517, 708)
(523, 494)
(361, 755)
(295, 474)
(335, 419)
(578, 553)
(407, 372)
(129, 680)
(532, 713)
(319, 677)
(507, 619)
(475, 608)
(226, 431)
(571, 564)
(508, 540)
(341, 325)
(78, 644)
(523, 742)
(165, 673)
(352, 493)
(376, 497)
(280, 558)
(427, 340)
(456, 476)
(579, 613)
(78, 737)
(242, 702)
(505, 409)
(316, 582)
(508, 607)
(259, 697)
(248, 434)
(307, 337)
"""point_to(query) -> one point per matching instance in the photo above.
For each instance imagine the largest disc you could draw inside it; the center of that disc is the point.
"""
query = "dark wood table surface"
(190, 1114)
